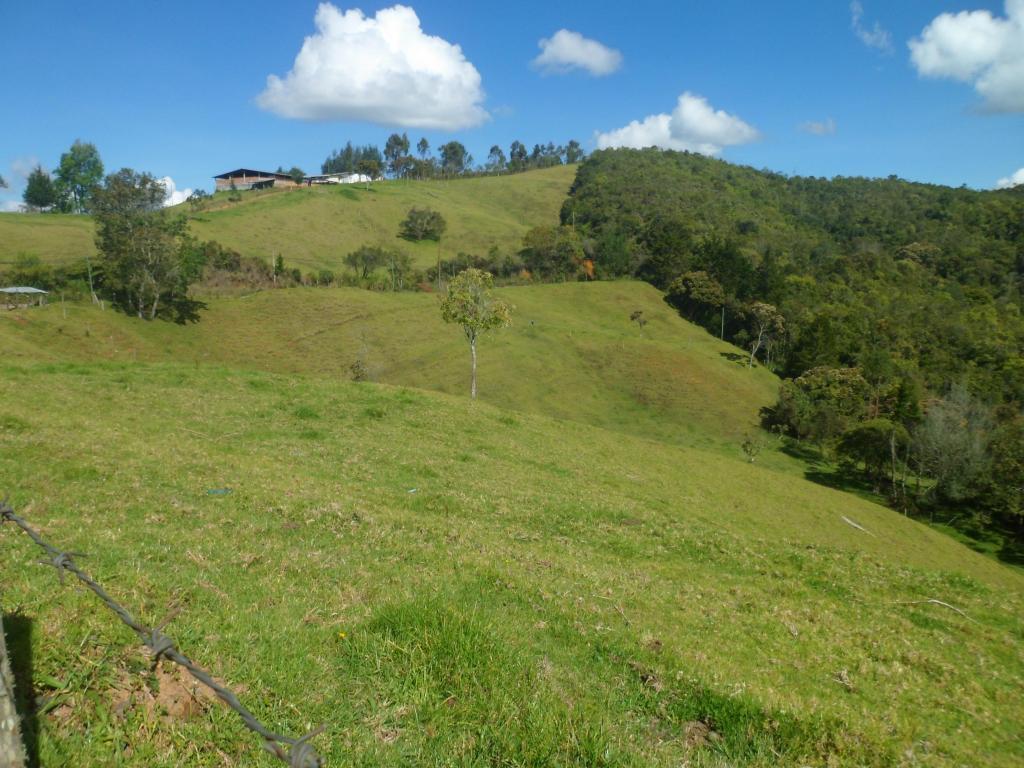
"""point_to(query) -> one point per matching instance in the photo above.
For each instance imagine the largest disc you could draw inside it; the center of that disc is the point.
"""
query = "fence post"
(11, 753)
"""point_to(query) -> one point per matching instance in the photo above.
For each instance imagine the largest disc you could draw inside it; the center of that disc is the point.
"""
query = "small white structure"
(22, 296)
(339, 178)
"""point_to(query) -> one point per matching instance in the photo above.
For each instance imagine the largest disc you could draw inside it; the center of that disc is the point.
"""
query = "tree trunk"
(472, 352)
(92, 289)
(152, 310)
(753, 349)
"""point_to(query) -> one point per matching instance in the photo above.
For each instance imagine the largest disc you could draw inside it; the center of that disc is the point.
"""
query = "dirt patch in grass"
(170, 693)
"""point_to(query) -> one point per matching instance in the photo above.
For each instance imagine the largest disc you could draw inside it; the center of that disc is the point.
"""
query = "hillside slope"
(571, 353)
(314, 228)
(445, 583)
(55, 238)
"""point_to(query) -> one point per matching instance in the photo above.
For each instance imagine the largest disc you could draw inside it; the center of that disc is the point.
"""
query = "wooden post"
(12, 755)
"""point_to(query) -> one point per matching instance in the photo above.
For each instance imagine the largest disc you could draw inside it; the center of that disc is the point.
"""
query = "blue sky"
(812, 88)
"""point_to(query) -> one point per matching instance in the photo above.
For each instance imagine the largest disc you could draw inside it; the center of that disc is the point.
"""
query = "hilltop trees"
(496, 159)
(349, 158)
(455, 160)
(396, 153)
(40, 191)
(469, 303)
(78, 175)
(517, 156)
(574, 152)
(370, 167)
(146, 255)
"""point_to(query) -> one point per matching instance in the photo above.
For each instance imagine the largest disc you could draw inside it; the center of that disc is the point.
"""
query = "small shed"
(338, 178)
(22, 296)
(247, 178)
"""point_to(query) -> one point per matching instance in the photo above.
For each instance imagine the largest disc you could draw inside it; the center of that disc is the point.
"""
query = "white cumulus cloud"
(381, 69)
(173, 195)
(825, 127)
(978, 48)
(875, 36)
(565, 51)
(694, 125)
(1012, 180)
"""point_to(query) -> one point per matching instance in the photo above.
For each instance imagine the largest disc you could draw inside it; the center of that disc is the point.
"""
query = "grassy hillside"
(571, 353)
(316, 227)
(445, 583)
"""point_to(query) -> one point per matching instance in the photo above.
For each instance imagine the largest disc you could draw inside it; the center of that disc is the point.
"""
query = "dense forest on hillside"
(895, 307)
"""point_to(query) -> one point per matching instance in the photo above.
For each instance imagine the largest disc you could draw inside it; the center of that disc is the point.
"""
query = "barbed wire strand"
(296, 752)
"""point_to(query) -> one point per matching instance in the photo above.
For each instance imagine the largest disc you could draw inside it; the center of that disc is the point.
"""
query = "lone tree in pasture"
(637, 316)
(40, 191)
(366, 259)
(146, 254)
(469, 303)
(767, 322)
(422, 224)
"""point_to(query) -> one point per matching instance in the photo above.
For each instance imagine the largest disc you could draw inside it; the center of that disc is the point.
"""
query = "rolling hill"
(314, 228)
(581, 569)
(572, 352)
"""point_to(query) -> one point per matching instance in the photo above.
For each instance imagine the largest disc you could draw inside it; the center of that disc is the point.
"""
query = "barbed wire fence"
(295, 752)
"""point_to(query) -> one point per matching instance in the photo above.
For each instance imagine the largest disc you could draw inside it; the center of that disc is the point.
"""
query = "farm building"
(247, 178)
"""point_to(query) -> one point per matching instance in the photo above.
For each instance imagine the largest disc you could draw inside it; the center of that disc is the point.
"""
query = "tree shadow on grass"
(823, 472)
(17, 629)
(847, 481)
(735, 357)
(1012, 552)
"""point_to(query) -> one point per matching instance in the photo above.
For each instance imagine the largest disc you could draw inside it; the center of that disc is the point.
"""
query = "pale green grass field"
(511, 591)
(54, 238)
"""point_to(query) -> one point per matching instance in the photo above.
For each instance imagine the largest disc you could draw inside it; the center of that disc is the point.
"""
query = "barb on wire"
(296, 752)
